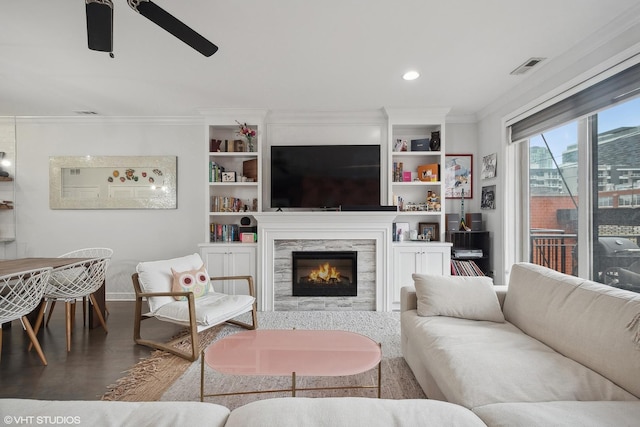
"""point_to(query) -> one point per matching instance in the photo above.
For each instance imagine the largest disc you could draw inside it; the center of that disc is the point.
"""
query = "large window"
(553, 198)
(580, 198)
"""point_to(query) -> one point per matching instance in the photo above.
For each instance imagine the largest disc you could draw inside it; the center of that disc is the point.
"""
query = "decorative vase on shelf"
(248, 133)
(250, 147)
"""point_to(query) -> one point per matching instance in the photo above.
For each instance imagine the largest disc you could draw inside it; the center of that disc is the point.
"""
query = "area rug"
(162, 377)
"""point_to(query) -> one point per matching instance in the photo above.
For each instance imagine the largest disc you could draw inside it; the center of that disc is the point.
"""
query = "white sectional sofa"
(549, 349)
(277, 412)
(552, 350)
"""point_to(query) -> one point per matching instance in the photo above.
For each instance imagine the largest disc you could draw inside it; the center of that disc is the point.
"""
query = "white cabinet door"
(406, 261)
(432, 258)
(230, 260)
(436, 260)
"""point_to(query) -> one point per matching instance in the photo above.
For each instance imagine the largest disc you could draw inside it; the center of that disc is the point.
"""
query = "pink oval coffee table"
(294, 352)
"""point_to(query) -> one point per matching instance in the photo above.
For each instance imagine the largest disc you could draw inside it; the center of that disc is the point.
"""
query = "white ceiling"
(286, 54)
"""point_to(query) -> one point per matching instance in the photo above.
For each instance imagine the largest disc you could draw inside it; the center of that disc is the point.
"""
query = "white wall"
(619, 41)
(134, 235)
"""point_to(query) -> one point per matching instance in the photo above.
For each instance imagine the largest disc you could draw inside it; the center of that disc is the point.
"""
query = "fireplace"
(325, 273)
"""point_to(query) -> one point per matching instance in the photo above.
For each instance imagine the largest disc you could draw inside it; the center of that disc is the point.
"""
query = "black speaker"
(245, 220)
(474, 221)
(452, 221)
(100, 26)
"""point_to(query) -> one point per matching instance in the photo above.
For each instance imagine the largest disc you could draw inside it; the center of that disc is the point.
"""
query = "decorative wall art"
(113, 182)
(488, 200)
(489, 165)
(458, 176)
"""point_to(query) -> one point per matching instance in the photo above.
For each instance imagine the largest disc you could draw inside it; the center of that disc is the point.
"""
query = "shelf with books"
(416, 148)
(465, 268)
(471, 247)
(234, 187)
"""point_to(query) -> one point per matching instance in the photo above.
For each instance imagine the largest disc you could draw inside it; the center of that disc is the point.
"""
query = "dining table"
(11, 266)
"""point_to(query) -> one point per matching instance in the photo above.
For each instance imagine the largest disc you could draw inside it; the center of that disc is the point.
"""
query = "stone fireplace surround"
(279, 233)
(364, 301)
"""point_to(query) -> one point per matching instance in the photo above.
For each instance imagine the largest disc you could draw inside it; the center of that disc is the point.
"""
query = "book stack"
(215, 172)
(224, 232)
(397, 171)
(465, 268)
(227, 204)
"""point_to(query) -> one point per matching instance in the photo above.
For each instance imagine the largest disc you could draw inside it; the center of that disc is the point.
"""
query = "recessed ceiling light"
(411, 75)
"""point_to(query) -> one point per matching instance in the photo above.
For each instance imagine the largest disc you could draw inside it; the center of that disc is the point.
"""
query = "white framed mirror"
(113, 182)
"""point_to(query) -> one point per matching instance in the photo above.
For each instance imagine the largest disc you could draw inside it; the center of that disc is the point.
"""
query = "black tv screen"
(325, 176)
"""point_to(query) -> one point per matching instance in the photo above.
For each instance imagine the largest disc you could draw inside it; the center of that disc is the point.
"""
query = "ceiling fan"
(100, 25)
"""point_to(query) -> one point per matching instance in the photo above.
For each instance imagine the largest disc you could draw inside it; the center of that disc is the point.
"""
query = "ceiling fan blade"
(165, 20)
(100, 25)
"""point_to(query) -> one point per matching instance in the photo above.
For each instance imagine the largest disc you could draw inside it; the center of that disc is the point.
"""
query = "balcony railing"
(554, 249)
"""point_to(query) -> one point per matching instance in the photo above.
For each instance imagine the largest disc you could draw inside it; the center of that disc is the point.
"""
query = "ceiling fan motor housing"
(100, 25)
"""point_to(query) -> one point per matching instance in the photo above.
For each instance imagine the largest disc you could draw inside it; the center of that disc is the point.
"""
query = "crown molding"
(179, 120)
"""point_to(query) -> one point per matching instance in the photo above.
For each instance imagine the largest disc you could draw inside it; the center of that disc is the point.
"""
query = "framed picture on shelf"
(488, 200)
(228, 177)
(458, 176)
(429, 231)
(489, 164)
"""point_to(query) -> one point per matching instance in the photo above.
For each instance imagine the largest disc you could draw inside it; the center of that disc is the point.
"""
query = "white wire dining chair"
(70, 282)
(20, 294)
(84, 253)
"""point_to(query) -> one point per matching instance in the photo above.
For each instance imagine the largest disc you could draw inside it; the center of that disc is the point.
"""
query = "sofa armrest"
(408, 298)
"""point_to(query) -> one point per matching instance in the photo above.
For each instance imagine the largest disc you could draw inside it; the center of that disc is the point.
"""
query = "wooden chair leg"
(53, 304)
(98, 311)
(73, 314)
(67, 314)
(84, 311)
(34, 339)
(43, 309)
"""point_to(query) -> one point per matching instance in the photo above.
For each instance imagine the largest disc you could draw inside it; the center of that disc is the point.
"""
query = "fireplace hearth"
(325, 273)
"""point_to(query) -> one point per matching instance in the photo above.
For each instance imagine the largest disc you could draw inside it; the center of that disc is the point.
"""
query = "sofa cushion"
(566, 414)
(583, 320)
(476, 363)
(155, 276)
(350, 411)
(457, 296)
(97, 413)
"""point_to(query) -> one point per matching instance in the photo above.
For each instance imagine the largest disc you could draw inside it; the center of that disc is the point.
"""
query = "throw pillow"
(466, 297)
(196, 281)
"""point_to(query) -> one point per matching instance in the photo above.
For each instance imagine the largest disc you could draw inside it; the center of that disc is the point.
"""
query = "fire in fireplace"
(325, 273)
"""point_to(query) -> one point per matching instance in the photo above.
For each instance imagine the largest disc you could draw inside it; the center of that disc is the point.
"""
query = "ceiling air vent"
(528, 64)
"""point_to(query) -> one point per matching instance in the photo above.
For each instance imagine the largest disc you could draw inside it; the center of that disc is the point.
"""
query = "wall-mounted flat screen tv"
(325, 176)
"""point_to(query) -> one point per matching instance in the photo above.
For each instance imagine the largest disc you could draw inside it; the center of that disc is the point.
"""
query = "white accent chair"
(20, 294)
(85, 253)
(153, 282)
(70, 282)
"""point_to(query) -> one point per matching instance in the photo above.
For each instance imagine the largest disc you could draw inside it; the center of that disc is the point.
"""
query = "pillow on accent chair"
(155, 276)
(466, 297)
(196, 281)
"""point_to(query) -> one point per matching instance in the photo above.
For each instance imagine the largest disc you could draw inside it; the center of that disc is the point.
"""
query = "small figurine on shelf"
(400, 145)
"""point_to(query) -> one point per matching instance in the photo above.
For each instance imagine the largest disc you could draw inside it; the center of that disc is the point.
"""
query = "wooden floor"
(95, 361)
